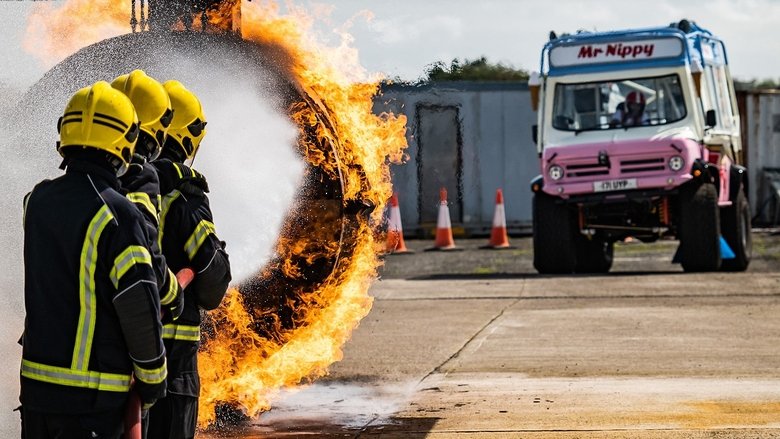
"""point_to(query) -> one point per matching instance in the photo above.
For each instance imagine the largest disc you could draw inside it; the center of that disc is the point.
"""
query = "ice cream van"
(638, 135)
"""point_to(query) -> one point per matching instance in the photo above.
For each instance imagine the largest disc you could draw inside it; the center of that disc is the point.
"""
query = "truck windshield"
(616, 104)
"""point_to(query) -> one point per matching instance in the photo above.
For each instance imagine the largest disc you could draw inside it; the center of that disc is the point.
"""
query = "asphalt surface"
(475, 344)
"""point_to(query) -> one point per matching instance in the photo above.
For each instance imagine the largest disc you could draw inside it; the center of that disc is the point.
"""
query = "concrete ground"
(475, 344)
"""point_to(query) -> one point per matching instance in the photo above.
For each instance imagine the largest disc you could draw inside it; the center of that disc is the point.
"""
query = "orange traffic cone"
(444, 240)
(498, 235)
(395, 231)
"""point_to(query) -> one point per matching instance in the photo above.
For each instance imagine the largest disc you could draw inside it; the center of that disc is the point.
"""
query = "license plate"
(614, 185)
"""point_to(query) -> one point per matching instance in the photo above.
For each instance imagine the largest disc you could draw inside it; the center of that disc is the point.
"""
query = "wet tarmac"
(475, 344)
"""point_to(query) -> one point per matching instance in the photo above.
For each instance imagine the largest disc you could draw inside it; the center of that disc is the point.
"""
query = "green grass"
(637, 248)
(763, 249)
(484, 270)
(521, 252)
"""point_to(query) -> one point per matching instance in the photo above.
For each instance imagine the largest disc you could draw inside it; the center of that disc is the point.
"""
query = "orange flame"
(364, 139)
(238, 366)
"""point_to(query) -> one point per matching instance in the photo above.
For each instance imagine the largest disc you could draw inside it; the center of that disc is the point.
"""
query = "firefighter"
(140, 183)
(92, 327)
(188, 240)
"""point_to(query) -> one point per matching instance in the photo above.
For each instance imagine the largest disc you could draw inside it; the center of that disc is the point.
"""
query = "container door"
(439, 161)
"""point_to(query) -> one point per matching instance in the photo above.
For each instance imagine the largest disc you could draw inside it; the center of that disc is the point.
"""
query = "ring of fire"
(288, 323)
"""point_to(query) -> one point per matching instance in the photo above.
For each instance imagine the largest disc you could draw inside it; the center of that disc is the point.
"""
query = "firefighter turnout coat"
(188, 239)
(91, 296)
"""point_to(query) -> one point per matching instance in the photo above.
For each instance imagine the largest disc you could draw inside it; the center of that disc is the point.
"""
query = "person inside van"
(630, 112)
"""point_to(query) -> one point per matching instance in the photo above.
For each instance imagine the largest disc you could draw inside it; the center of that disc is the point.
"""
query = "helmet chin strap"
(122, 170)
(173, 151)
(147, 147)
(155, 153)
(120, 166)
(65, 160)
(191, 161)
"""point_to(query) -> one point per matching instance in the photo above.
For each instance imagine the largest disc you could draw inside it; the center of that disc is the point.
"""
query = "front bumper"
(578, 190)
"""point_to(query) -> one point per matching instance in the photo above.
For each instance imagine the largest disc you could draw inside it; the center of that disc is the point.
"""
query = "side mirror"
(711, 119)
(535, 133)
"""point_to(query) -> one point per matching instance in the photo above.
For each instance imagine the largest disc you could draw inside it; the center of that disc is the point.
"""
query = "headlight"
(676, 163)
(555, 172)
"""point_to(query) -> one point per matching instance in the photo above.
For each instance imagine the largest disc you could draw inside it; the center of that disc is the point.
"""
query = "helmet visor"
(160, 137)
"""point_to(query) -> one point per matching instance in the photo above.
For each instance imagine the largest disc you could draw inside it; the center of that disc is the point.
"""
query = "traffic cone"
(395, 231)
(444, 240)
(498, 235)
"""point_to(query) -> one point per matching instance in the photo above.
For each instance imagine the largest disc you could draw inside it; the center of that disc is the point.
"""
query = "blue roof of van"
(697, 44)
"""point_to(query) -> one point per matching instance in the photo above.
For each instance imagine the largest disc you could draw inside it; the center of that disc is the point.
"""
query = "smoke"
(248, 157)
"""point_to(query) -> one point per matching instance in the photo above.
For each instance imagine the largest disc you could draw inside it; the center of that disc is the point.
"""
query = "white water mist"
(249, 161)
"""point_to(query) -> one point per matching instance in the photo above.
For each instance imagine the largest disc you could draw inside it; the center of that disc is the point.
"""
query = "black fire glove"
(150, 393)
(133, 169)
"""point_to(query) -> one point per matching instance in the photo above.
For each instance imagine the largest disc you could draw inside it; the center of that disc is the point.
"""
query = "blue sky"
(403, 36)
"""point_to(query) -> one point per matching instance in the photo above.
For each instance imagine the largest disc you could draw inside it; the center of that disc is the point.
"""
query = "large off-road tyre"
(554, 249)
(735, 227)
(594, 255)
(699, 228)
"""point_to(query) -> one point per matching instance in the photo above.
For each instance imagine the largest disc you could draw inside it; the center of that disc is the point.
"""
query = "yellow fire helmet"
(152, 106)
(102, 118)
(189, 123)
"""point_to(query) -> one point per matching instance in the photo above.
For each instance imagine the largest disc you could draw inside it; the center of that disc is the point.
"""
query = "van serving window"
(624, 103)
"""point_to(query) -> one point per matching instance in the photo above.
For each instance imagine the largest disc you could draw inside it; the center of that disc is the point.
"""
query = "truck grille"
(627, 167)
(586, 170)
(644, 165)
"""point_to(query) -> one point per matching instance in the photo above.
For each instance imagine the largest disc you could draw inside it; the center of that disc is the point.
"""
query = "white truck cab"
(639, 136)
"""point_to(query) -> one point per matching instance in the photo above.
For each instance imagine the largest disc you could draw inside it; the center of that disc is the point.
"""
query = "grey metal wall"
(493, 149)
(761, 135)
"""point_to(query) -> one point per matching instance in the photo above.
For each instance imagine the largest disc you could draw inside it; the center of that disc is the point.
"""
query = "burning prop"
(287, 324)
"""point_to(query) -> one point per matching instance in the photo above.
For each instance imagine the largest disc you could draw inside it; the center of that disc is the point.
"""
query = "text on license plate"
(614, 185)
